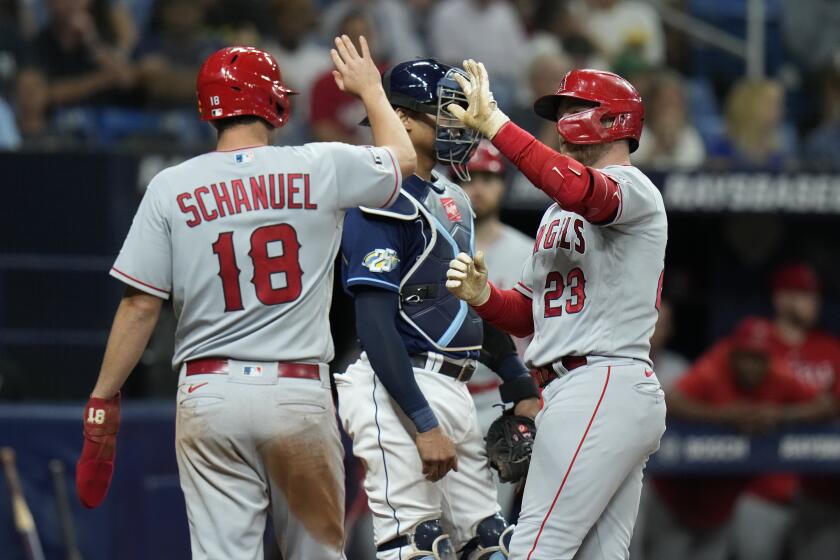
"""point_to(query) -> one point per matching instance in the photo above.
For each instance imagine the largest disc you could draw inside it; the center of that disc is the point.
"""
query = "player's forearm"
(134, 322)
(376, 316)
(508, 310)
(572, 185)
(821, 407)
(498, 352)
(684, 408)
(388, 130)
(72, 90)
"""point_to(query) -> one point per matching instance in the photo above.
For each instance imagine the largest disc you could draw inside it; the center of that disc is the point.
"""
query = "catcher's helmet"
(616, 99)
(486, 159)
(238, 81)
(427, 86)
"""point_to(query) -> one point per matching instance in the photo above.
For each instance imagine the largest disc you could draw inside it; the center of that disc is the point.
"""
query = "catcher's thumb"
(480, 265)
(457, 111)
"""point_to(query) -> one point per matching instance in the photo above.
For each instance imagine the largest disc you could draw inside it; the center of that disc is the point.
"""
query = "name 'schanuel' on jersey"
(275, 191)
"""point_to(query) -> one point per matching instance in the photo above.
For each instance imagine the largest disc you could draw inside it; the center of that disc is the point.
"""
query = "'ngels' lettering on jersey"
(558, 234)
(275, 191)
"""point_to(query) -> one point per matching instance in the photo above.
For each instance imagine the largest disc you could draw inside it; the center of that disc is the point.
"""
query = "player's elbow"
(140, 306)
(406, 159)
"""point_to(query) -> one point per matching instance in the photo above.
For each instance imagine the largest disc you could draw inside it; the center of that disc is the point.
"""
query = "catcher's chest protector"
(448, 323)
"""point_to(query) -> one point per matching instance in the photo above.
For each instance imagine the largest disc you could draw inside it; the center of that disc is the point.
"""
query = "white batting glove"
(467, 279)
(481, 113)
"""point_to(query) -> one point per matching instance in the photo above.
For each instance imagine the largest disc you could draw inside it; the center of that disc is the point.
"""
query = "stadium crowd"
(110, 74)
(120, 75)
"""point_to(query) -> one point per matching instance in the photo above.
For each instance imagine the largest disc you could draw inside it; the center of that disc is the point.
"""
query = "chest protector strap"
(448, 323)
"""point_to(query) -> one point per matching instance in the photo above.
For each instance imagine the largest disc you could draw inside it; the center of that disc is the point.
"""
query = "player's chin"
(587, 154)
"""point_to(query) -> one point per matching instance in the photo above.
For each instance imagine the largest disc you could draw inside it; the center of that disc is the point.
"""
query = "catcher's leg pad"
(427, 542)
(491, 541)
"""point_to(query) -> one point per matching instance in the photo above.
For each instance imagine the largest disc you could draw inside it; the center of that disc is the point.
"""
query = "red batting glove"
(96, 464)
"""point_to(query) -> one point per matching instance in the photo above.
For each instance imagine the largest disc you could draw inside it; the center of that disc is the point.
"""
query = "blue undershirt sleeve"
(376, 317)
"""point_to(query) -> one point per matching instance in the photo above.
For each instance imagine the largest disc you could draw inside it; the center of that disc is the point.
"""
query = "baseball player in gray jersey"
(589, 293)
(243, 241)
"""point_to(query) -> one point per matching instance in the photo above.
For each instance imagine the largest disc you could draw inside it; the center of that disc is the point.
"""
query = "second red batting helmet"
(486, 159)
(240, 81)
(616, 100)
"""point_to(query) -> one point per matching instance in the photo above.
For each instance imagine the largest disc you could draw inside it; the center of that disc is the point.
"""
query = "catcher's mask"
(455, 142)
(427, 86)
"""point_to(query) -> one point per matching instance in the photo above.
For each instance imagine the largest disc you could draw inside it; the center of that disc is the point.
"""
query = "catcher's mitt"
(509, 442)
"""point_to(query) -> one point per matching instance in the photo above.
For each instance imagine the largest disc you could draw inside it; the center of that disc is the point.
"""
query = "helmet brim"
(547, 105)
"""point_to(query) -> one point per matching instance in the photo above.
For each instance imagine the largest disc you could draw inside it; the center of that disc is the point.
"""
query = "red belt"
(545, 375)
(220, 365)
(478, 388)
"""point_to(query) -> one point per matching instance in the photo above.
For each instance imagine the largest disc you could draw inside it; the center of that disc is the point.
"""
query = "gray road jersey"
(505, 256)
(244, 243)
(595, 289)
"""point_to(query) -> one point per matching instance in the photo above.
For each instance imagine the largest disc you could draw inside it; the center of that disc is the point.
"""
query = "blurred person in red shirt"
(814, 358)
(334, 116)
(739, 383)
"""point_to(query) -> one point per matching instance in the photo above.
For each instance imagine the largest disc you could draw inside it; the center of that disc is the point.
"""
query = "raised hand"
(355, 73)
(481, 113)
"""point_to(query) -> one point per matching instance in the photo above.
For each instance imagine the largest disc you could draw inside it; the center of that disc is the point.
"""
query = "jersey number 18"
(264, 266)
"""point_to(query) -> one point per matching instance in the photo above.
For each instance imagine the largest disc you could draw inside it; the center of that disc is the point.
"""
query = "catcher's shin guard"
(427, 542)
(491, 541)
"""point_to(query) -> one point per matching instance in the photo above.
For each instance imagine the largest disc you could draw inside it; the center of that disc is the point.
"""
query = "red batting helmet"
(238, 81)
(616, 99)
(486, 159)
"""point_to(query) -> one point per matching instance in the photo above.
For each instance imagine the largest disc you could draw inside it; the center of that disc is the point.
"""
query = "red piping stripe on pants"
(572, 463)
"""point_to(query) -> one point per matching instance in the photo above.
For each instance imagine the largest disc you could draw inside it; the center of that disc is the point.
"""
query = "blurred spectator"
(302, 60)
(544, 74)
(619, 26)
(9, 135)
(114, 19)
(822, 147)
(738, 383)
(169, 59)
(486, 30)
(669, 365)
(396, 33)
(335, 116)
(764, 515)
(810, 31)
(814, 357)
(12, 43)
(237, 19)
(754, 126)
(81, 53)
(669, 140)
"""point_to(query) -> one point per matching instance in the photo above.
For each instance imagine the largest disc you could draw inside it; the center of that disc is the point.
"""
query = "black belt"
(460, 372)
(397, 542)
(545, 375)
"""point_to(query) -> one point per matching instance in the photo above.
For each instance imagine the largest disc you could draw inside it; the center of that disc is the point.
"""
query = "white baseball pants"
(599, 424)
(383, 439)
(247, 447)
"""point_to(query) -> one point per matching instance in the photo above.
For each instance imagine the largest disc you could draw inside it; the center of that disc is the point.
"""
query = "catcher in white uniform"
(589, 293)
(243, 240)
(405, 402)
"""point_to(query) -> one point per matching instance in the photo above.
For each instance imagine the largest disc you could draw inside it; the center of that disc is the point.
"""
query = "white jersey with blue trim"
(596, 288)
(244, 243)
